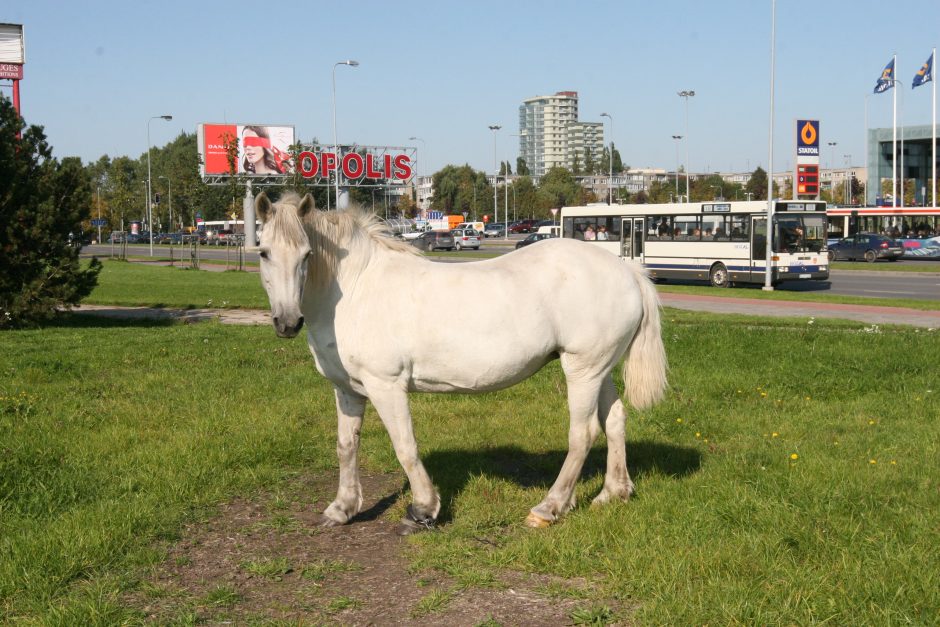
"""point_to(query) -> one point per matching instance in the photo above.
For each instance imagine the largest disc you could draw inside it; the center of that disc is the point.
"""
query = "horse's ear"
(305, 206)
(263, 207)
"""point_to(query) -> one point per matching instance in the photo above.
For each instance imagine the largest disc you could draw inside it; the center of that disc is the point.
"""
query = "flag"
(886, 81)
(924, 74)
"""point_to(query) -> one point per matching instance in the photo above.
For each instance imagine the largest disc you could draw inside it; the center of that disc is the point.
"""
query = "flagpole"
(894, 135)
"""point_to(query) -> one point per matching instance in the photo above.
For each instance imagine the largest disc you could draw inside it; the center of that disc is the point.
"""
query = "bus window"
(567, 227)
(660, 227)
(740, 228)
(686, 227)
(713, 227)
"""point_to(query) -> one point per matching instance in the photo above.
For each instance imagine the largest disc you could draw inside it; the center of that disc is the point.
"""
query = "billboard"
(263, 150)
(12, 45)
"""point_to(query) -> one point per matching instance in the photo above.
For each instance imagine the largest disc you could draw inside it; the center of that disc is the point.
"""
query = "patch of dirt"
(268, 560)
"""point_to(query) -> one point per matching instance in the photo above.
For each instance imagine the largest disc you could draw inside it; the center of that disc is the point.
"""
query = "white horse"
(368, 300)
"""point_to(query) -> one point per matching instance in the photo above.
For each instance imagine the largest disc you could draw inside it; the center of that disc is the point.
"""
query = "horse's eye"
(307, 256)
(263, 254)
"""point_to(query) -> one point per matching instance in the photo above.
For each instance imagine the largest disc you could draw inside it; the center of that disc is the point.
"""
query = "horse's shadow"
(452, 469)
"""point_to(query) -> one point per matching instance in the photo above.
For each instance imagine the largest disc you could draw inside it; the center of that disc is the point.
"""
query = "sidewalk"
(870, 314)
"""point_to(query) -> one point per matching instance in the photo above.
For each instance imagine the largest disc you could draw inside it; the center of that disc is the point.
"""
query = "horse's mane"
(330, 231)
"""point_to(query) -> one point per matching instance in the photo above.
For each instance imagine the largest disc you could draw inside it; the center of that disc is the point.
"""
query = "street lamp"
(494, 128)
(418, 178)
(350, 63)
(610, 159)
(687, 94)
(678, 138)
(149, 188)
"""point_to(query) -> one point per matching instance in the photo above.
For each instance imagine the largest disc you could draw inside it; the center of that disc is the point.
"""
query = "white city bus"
(716, 241)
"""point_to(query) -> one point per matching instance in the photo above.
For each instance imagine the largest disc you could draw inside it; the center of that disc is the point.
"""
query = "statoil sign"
(807, 138)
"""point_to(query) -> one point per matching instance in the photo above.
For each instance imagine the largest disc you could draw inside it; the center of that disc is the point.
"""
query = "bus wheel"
(719, 275)
(870, 256)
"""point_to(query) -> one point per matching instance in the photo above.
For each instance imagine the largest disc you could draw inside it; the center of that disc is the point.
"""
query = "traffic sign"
(99, 222)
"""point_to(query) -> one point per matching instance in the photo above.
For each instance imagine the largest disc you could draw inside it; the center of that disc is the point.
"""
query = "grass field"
(790, 476)
(136, 284)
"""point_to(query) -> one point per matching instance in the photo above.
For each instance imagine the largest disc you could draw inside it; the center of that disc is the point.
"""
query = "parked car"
(523, 226)
(434, 240)
(466, 238)
(867, 246)
(494, 229)
(532, 238)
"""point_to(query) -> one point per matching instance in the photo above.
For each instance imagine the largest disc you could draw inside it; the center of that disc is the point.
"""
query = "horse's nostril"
(300, 322)
(275, 320)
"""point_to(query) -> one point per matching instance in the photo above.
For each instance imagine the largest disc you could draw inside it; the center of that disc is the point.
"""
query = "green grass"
(755, 292)
(114, 434)
(134, 284)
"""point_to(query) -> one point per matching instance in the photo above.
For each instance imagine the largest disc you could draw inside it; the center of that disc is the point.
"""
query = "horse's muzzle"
(287, 328)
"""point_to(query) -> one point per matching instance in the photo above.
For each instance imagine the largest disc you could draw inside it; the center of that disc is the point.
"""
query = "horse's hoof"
(409, 527)
(537, 522)
(329, 522)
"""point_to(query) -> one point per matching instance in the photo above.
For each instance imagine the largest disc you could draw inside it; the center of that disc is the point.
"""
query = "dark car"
(434, 240)
(867, 246)
(523, 226)
(532, 238)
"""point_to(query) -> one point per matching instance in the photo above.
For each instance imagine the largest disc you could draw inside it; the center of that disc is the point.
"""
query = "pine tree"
(42, 205)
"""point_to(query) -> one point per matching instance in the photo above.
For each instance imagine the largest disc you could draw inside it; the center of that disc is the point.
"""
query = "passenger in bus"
(663, 228)
(602, 233)
(677, 232)
(719, 233)
(589, 234)
(697, 233)
(708, 232)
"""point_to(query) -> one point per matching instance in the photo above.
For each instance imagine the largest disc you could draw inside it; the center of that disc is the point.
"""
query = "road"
(861, 282)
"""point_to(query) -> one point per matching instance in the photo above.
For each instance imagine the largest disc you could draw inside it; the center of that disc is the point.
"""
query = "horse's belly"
(474, 373)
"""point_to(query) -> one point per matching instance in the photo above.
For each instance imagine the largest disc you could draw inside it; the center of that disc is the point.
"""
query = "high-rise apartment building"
(551, 135)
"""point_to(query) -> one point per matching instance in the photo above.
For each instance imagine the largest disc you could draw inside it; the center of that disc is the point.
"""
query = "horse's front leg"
(349, 410)
(391, 402)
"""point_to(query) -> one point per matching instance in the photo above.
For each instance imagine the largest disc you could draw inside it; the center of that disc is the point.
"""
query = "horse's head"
(284, 251)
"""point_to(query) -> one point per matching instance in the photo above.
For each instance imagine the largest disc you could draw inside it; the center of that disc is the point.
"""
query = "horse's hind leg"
(617, 483)
(392, 405)
(582, 431)
(349, 411)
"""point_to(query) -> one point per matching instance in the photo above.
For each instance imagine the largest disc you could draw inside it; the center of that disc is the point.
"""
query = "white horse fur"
(371, 305)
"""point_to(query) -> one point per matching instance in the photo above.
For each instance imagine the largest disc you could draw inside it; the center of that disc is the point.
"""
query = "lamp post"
(678, 138)
(687, 94)
(848, 179)
(832, 176)
(418, 178)
(350, 63)
(149, 188)
(610, 159)
(98, 191)
(495, 128)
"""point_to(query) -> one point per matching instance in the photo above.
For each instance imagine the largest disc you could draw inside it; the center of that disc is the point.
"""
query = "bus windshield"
(797, 233)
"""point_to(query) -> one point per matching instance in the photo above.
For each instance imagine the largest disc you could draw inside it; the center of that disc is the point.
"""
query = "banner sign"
(11, 70)
(258, 150)
(806, 176)
(262, 153)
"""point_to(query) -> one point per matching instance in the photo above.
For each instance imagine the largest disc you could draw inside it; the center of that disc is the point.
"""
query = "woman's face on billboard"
(254, 154)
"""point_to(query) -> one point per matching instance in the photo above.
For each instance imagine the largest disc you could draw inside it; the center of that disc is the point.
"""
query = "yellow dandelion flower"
(774, 434)
(705, 440)
(679, 420)
(894, 463)
(871, 422)
(794, 456)
(807, 398)
(697, 434)
(763, 394)
(872, 461)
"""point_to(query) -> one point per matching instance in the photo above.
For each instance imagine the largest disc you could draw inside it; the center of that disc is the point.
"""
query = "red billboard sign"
(257, 150)
(12, 71)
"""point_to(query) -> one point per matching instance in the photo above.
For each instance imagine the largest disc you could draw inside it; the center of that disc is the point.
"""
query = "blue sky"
(96, 71)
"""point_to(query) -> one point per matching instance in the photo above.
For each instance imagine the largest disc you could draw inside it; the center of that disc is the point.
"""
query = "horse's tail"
(644, 373)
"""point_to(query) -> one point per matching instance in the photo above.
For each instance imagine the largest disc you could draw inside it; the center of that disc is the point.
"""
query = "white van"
(476, 226)
(553, 230)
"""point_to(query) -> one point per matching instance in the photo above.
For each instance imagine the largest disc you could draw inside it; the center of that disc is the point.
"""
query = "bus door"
(631, 238)
(758, 246)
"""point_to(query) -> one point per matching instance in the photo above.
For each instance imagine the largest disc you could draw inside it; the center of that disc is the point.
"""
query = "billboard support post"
(248, 210)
